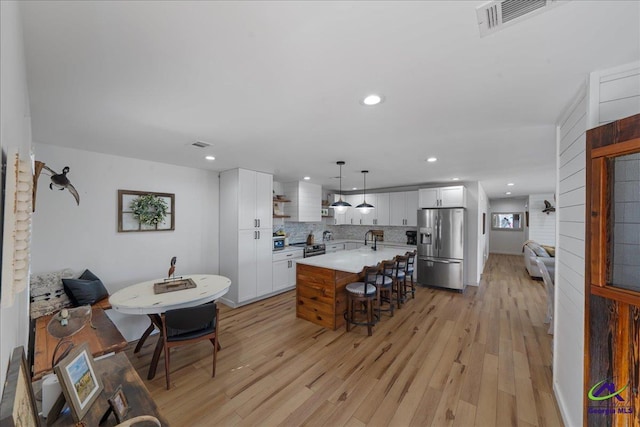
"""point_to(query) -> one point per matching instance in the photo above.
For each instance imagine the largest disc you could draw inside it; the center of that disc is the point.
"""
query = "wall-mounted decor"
(145, 211)
(16, 238)
(59, 181)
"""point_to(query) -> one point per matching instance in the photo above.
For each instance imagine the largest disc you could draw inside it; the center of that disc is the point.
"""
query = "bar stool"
(400, 278)
(364, 293)
(385, 286)
(411, 260)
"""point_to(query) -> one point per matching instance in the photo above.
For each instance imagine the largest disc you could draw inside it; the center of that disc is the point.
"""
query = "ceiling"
(277, 86)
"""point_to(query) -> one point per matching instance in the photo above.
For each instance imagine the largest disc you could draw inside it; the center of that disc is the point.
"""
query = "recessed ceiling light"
(354, 188)
(507, 193)
(455, 179)
(511, 184)
(209, 157)
(307, 178)
(372, 99)
(432, 159)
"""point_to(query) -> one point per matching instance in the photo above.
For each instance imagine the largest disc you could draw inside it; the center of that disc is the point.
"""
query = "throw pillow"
(87, 289)
(551, 250)
(47, 293)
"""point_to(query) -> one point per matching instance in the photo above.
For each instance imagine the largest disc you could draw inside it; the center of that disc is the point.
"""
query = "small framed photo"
(80, 383)
(119, 405)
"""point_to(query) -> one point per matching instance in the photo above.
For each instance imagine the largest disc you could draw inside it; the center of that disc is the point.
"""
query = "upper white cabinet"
(255, 198)
(306, 201)
(340, 218)
(403, 208)
(442, 197)
(381, 212)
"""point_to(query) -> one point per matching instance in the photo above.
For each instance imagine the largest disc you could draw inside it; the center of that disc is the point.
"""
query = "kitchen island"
(321, 282)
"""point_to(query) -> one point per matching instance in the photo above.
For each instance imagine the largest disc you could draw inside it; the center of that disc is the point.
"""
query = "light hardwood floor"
(445, 359)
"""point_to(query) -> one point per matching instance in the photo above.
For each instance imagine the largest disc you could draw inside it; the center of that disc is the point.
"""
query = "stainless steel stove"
(312, 250)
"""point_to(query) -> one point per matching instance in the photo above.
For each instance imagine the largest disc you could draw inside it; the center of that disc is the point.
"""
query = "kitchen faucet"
(375, 240)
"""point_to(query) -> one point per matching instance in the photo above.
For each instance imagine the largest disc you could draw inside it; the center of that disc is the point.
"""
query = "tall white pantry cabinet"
(246, 242)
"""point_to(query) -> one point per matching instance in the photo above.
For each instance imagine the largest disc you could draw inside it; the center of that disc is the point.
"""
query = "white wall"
(507, 241)
(542, 226)
(607, 96)
(86, 236)
(569, 291)
(15, 131)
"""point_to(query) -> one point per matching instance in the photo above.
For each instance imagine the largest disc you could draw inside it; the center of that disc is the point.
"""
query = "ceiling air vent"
(201, 144)
(496, 15)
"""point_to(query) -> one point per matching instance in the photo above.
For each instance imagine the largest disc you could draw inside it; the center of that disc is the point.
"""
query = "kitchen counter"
(321, 282)
(352, 261)
(384, 243)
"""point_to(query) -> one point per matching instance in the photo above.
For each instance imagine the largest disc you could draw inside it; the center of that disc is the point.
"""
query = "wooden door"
(612, 275)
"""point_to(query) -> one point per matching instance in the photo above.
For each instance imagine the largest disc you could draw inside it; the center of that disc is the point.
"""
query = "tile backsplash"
(298, 231)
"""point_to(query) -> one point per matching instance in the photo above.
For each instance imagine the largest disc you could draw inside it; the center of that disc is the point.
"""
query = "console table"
(114, 370)
(105, 338)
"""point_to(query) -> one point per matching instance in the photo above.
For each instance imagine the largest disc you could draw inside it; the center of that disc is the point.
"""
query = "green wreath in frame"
(149, 209)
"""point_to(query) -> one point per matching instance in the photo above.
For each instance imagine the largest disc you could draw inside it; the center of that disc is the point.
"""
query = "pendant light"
(364, 207)
(340, 206)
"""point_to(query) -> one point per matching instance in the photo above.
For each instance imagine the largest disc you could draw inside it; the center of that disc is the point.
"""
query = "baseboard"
(234, 304)
(507, 253)
(562, 407)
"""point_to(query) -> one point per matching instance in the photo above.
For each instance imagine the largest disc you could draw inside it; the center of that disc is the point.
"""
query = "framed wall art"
(145, 211)
(18, 405)
(80, 383)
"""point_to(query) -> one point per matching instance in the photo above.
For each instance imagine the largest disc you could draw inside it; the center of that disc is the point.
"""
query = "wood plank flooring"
(480, 358)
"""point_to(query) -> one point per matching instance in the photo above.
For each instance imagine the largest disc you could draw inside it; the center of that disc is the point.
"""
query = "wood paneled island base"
(321, 296)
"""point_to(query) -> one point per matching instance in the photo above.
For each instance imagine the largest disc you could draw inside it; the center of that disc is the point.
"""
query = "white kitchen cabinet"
(370, 218)
(255, 199)
(246, 203)
(284, 269)
(254, 264)
(403, 208)
(381, 212)
(353, 215)
(340, 218)
(442, 197)
(306, 201)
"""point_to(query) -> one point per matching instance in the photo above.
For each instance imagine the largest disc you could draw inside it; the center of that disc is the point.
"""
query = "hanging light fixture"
(364, 207)
(340, 206)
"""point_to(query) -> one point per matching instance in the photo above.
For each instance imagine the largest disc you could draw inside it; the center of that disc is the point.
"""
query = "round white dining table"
(140, 298)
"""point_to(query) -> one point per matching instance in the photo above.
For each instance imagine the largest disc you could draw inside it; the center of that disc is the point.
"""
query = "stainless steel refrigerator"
(440, 261)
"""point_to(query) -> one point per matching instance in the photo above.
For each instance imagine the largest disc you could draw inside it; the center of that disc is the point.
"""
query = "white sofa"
(532, 252)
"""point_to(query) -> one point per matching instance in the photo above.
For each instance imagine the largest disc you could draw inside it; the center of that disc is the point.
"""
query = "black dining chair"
(189, 325)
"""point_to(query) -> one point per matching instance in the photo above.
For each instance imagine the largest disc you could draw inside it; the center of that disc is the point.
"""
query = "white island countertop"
(353, 261)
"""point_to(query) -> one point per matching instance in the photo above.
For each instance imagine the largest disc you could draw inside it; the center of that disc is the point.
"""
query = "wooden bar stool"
(411, 260)
(400, 278)
(385, 286)
(364, 294)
